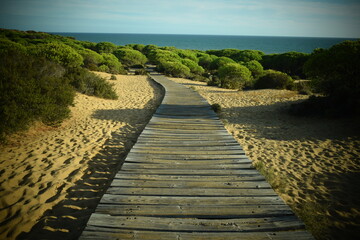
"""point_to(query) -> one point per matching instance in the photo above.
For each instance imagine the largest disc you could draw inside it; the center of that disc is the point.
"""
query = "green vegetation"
(31, 90)
(234, 76)
(129, 57)
(335, 73)
(274, 79)
(40, 73)
(216, 107)
(290, 63)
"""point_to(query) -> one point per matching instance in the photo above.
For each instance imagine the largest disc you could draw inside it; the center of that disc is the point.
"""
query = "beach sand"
(66, 169)
(52, 179)
(312, 163)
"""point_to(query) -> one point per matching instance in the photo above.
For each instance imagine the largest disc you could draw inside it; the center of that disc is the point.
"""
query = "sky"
(309, 18)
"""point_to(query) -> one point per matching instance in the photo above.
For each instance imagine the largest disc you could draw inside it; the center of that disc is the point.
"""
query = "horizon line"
(230, 35)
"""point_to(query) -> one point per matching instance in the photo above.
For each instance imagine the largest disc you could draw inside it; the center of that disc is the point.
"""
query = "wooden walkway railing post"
(187, 178)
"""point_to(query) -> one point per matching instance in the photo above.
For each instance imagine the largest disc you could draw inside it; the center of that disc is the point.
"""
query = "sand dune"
(38, 167)
(314, 163)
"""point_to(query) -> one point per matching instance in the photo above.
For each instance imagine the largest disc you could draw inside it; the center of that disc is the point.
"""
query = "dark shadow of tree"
(69, 217)
(275, 122)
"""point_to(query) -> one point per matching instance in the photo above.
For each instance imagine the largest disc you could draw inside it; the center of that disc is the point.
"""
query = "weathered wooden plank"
(187, 152)
(212, 178)
(207, 147)
(188, 184)
(177, 165)
(186, 161)
(191, 200)
(205, 172)
(194, 224)
(189, 162)
(185, 156)
(101, 233)
(200, 211)
(190, 192)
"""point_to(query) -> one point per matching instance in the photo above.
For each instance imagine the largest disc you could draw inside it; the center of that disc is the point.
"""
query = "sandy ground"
(64, 170)
(312, 163)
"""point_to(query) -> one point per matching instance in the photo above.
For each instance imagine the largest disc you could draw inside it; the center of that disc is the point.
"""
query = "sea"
(266, 44)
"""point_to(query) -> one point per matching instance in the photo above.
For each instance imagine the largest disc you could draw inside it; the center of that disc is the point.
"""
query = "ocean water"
(206, 42)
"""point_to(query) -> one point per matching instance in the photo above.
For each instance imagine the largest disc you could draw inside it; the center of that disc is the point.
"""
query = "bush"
(219, 62)
(130, 57)
(175, 69)
(31, 89)
(291, 62)
(113, 77)
(140, 71)
(187, 54)
(58, 53)
(90, 84)
(158, 56)
(138, 47)
(193, 66)
(275, 80)
(335, 72)
(91, 59)
(206, 60)
(112, 64)
(234, 76)
(255, 67)
(105, 47)
(238, 55)
(248, 55)
(216, 107)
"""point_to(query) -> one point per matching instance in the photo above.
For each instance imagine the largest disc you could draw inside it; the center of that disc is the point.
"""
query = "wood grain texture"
(187, 178)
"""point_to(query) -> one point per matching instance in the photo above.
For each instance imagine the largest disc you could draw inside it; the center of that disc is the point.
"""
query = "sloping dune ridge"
(38, 167)
(312, 163)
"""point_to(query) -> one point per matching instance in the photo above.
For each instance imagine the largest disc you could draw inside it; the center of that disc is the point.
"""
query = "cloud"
(261, 17)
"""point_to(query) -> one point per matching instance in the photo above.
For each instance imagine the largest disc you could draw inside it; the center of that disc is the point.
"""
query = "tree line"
(40, 72)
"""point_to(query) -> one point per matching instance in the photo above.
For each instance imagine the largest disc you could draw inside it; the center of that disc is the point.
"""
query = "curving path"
(187, 178)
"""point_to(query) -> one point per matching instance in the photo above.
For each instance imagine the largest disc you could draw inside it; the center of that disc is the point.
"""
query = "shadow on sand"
(68, 219)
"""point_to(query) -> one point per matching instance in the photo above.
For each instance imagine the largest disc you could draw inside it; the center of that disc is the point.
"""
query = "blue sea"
(207, 42)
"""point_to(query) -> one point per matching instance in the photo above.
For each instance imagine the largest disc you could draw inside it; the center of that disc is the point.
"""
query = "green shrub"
(130, 57)
(291, 63)
(275, 80)
(187, 54)
(90, 84)
(32, 88)
(112, 63)
(255, 67)
(238, 55)
(206, 60)
(104, 68)
(248, 55)
(105, 47)
(91, 59)
(158, 56)
(58, 53)
(140, 71)
(175, 69)
(214, 81)
(113, 77)
(234, 76)
(219, 62)
(216, 107)
(148, 49)
(138, 47)
(193, 66)
(336, 73)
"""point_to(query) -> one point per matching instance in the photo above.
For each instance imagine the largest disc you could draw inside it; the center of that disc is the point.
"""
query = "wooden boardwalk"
(187, 178)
